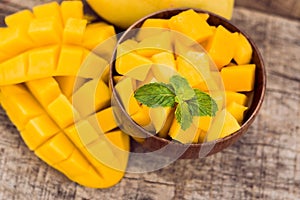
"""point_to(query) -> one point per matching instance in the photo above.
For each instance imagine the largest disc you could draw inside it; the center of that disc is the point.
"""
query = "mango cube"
(74, 31)
(71, 9)
(104, 120)
(152, 27)
(69, 84)
(236, 97)
(191, 24)
(46, 10)
(19, 19)
(237, 111)
(159, 117)
(243, 52)
(239, 78)
(142, 117)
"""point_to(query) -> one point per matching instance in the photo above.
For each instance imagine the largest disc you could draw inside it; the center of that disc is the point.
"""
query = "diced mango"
(159, 117)
(45, 31)
(19, 19)
(14, 41)
(190, 135)
(237, 111)
(192, 24)
(239, 78)
(104, 120)
(90, 178)
(74, 31)
(127, 46)
(155, 44)
(91, 97)
(38, 130)
(142, 117)
(204, 16)
(235, 97)
(43, 61)
(133, 65)
(86, 133)
(163, 133)
(51, 9)
(204, 123)
(243, 52)
(44, 90)
(152, 27)
(221, 47)
(14, 70)
(71, 9)
(62, 105)
(69, 84)
(70, 60)
(55, 150)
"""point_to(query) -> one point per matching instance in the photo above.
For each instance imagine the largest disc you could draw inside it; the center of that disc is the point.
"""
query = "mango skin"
(128, 13)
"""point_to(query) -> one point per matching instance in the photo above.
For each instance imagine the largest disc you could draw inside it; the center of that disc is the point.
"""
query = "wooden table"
(263, 164)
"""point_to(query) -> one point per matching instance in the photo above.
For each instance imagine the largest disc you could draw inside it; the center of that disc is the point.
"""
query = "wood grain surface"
(263, 164)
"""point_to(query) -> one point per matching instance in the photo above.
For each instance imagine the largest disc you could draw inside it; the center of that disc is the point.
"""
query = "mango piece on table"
(43, 61)
(45, 31)
(239, 78)
(236, 97)
(14, 70)
(243, 52)
(155, 44)
(237, 111)
(221, 46)
(55, 150)
(19, 19)
(44, 90)
(133, 65)
(71, 9)
(91, 97)
(191, 24)
(38, 130)
(74, 31)
(70, 60)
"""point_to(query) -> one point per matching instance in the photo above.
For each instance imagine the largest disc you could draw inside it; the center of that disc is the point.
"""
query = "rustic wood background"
(263, 164)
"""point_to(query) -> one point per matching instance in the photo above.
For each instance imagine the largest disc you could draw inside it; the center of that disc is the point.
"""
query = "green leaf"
(182, 88)
(183, 115)
(206, 105)
(155, 95)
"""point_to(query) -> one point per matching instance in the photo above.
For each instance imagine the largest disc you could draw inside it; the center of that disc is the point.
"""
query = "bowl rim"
(245, 125)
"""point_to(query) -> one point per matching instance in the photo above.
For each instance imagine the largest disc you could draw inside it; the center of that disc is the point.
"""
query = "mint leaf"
(194, 107)
(155, 95)
(182, 88)
(183, 115)
(206, 105)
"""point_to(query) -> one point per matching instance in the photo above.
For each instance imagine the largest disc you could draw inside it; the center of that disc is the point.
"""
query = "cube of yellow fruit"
(237, 111)
(51, 9)
(71, 9)
(189, 135)
(38, 130)
(163, 133)
(14, 41)
(14, 70)
(62, 105)
(43, 61)
(45, 31)
(142, 117)
(223, 125)
(243, 52)
(70, 60)
(19, 19)
(55, 150)
(74, 31)
(91, 97)
(69, 84)
(152, 27)
(221, 46)
(103, 120)
(239, 78)
(159, 117)
(133, 65)
(44, 90)
(98, 34)
(204, 16)
(204, 123)
(155, 44)
(191, 24)
(127, 46)
(86, 133)
(236, 97)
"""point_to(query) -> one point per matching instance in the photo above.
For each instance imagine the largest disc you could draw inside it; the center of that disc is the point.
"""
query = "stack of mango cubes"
(54, 89)
(159, 50)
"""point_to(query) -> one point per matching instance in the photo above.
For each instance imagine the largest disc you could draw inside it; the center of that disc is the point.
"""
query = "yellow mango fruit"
(104, 120)
(239, 78)
(74, 30)
(152, 26)
(19, 19)
(236, 97)
(141, 117)
(69, 84)
(163, 133)
(71, 9)
(222, 46)
(47, 10)
(191, 24)
(237, 111)
(243, 52)
(159, 117)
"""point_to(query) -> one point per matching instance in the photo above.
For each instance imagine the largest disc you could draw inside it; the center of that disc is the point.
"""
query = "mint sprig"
(189, 102)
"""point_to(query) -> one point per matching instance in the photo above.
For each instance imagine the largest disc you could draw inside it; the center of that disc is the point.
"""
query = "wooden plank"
(263, 164)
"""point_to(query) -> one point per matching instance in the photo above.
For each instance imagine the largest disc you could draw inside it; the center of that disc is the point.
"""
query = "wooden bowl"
(189, 151)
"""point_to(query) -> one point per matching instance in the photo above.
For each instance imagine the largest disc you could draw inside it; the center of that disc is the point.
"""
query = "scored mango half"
(53, 87)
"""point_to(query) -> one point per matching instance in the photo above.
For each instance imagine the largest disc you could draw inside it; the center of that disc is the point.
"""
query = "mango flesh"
(56, 99)
(223, 48)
